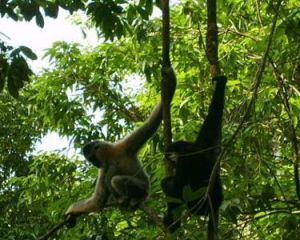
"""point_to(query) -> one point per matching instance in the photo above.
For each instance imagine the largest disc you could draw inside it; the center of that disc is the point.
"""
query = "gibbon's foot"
(123, 202)
(128, 204)
(134, 204)
(71, 221)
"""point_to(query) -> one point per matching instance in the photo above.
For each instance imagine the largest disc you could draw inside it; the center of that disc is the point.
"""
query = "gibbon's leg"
(212, 224)
(210, 133)
(168, 186)
(96, 202)
(130, 191)
(137, 138)
(210, 136)
(171, 220)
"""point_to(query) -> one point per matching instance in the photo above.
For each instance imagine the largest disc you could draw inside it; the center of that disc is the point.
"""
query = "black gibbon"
(122, 178)
(194, 164)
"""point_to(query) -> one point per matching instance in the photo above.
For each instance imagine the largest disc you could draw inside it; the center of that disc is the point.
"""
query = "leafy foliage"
(36, 197)
(14, 69)
(112, 17)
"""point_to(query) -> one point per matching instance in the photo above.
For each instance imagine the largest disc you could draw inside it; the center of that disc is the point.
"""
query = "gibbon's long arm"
(138, 138)
(93, 204)
(211, 129)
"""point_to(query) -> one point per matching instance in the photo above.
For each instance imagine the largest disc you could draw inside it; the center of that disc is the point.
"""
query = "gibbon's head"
(95, 152)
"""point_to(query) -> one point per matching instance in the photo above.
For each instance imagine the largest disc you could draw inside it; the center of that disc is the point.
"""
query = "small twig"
(235, 31)
(55, 229)
(257, 5)
(272, 213)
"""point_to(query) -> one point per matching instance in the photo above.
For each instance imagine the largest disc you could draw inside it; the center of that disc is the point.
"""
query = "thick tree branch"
(166, 78)
(212, 38)
(166, 33)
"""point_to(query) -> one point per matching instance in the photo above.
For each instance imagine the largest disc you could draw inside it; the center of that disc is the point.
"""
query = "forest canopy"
(104, 92)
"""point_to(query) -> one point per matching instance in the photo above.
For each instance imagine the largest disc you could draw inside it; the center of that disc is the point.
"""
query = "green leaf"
(295, 121)
(12, 89)
(51, 10)
(189, 195)
(28, 52)
(18, 73)
(143, 13)
(39, 19)
(131, 12)
(116, 9)
(12, 14)
(15, 53)
(149, 6)
(29, 9)
(186, 193)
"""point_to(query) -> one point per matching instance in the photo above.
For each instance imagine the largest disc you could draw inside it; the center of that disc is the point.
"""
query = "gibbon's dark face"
(91, 151)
